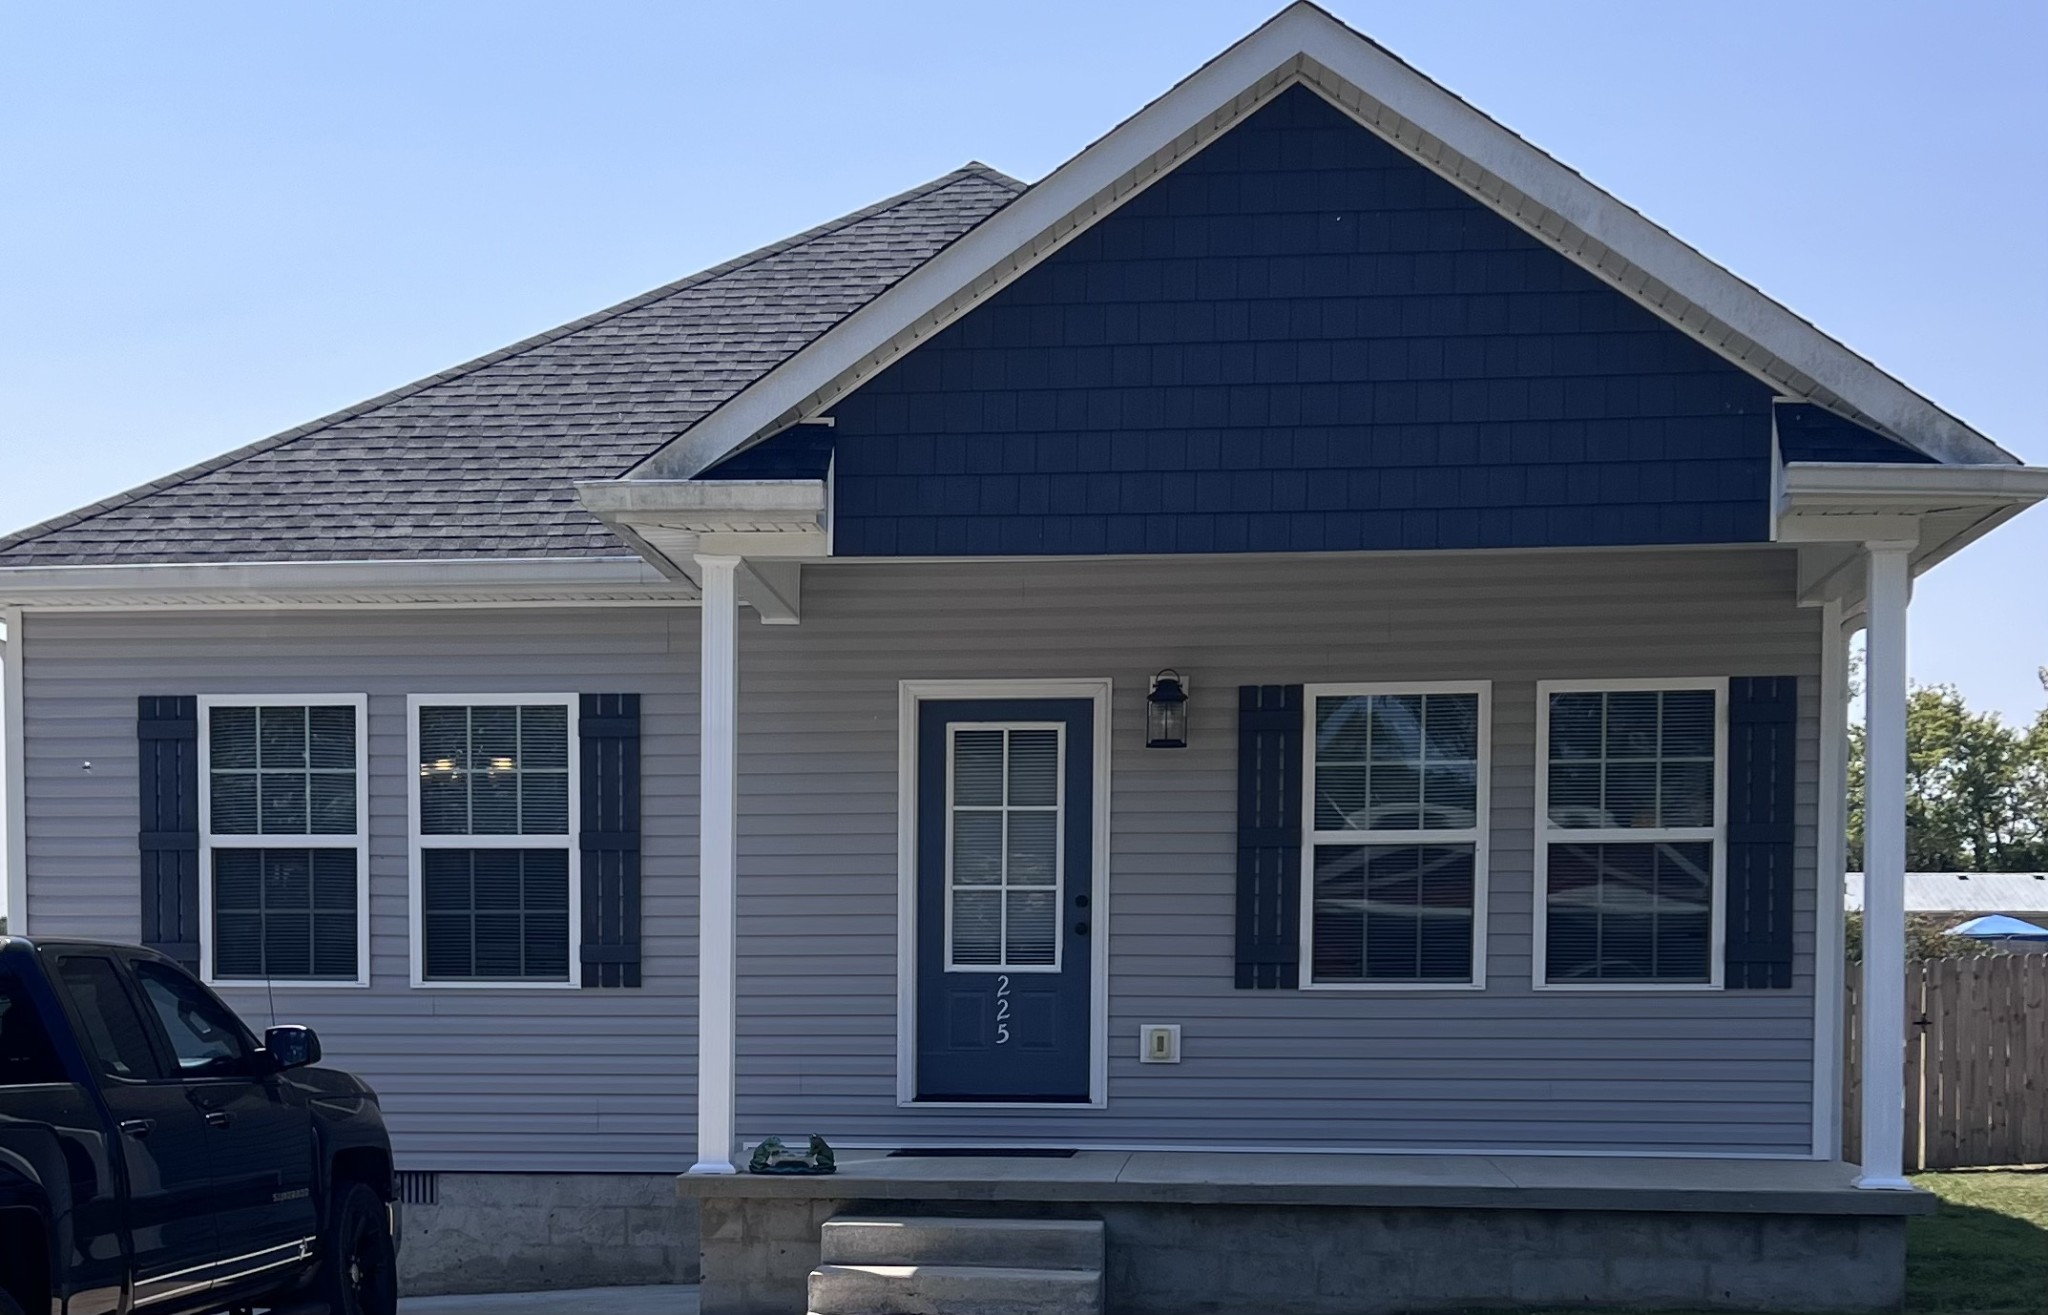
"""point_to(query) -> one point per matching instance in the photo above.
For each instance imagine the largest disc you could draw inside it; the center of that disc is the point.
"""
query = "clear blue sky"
(222, 219)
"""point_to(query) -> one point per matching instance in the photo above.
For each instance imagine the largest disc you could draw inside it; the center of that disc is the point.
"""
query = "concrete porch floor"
(665, 1299)
(1450, 1181)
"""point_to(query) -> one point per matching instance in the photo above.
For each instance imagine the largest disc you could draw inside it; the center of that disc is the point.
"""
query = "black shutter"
(1763, 762)
(609, 728)
(167, 742)
(1269, 771)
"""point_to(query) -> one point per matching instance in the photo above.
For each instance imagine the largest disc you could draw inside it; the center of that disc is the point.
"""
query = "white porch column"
(1831, 863)
(1884, 868)
(13, 774)
(718, 744)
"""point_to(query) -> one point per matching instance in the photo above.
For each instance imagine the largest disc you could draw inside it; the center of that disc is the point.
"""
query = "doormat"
(981, 1152)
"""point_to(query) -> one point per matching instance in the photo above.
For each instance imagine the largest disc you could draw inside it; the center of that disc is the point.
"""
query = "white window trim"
(1478, 835)
(1546, 834)
(1059, 884)
(359, 842)
(415, 842)
(909, 693)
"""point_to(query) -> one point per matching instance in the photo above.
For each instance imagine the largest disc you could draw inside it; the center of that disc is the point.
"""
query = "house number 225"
(1002, 1011)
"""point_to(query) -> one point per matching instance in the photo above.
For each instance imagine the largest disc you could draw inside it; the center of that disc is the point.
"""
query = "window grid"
(1362, 842)
(561, 920)
(296, 909)
(1599, 876)
(328, 731)
(289, 752)
(484, 781)
(1039, 900)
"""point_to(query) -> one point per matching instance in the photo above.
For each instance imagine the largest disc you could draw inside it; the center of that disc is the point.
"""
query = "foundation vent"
(417, 1186)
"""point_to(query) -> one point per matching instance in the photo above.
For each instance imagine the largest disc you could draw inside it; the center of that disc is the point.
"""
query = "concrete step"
(1012, 1243)
(953, 1290)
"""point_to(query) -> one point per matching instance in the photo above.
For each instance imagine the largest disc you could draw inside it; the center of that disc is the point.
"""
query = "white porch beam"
(774, 589)
(1831, 862)
(718, 745)
(1884, 867)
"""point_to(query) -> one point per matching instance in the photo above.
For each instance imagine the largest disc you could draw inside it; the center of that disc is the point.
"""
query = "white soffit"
(769, 524)
(1305, 46)
(593, 581)
(1830, 509)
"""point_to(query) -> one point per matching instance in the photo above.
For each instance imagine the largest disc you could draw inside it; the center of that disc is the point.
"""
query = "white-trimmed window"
(283, 837)
(1395, 830)
(1630, 833)
(1005, 841)
(495, 875)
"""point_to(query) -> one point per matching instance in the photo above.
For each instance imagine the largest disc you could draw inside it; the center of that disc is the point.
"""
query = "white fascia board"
(1305, 45)
(1871, 488)
(602, 580)
(679, 500)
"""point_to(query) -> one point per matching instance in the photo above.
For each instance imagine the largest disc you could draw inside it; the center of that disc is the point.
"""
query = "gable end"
(1302, 340)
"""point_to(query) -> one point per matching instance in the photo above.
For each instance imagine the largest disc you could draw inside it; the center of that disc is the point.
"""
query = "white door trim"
(909, 694)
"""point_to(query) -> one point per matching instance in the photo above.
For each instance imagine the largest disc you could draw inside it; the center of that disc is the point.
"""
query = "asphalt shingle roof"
(480, 460)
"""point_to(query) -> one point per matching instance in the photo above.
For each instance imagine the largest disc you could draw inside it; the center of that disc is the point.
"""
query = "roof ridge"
(972, 169)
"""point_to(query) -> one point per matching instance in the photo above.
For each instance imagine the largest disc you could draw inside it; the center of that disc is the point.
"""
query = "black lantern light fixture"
(1166, 712)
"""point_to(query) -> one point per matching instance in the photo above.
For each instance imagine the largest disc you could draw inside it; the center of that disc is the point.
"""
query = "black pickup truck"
(155, 1156)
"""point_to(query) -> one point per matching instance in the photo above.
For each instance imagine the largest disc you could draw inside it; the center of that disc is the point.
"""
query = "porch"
(1321, 1234)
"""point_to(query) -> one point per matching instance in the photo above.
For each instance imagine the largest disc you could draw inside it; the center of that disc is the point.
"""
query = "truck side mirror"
(292, 1046)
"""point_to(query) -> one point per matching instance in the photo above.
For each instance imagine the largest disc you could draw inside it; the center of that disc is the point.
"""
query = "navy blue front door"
(1005, 884)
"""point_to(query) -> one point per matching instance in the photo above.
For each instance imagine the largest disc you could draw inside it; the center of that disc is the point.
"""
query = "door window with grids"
(1630, 834)
(1396, 850)
(495, 861)
(282, 836)
(1005, 827)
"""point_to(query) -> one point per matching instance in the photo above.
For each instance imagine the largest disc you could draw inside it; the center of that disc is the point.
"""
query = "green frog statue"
(773, 1156)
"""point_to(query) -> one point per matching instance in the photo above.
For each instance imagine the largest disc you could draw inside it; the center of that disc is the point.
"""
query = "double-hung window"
(494, 806)
(1630, 842)
(1395, 833)
(283, 839)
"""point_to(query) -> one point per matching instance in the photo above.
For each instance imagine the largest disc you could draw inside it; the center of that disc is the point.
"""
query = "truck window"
(206, 1038)
(26, 1055)
(107, 1015)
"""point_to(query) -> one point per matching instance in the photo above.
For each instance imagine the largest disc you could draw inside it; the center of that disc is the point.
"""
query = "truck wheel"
(359, 1266)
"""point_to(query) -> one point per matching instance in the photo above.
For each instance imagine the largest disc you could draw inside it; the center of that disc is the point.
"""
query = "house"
(1283, 688)
(2022, 895)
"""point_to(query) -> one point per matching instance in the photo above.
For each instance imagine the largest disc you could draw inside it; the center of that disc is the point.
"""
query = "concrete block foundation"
(1213, 1234)
(514, 1232)
(1371, 1260)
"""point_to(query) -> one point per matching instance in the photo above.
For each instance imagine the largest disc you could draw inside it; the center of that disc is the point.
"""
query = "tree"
(1927, 937)
(1976, 787)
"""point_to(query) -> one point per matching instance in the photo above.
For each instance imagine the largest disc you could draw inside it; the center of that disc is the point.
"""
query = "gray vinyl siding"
(569, 1080)
(1507, 1068)
(471, 1079)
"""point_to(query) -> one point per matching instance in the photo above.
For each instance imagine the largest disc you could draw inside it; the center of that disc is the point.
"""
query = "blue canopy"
(1996, 926)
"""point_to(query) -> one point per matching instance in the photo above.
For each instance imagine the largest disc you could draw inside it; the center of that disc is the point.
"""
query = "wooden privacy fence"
(1976, 1062)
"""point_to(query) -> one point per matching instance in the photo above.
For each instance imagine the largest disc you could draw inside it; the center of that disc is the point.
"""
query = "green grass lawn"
(1986, 1253)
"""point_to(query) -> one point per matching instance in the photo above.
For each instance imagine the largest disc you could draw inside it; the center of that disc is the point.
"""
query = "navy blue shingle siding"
(799, 452)
(1300, 340)
(1811, 433)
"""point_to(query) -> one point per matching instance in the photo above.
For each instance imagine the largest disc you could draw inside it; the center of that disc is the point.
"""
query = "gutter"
(432, 582)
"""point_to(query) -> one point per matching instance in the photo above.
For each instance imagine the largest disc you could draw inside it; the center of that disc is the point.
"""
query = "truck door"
(259, 1129)
(50, 1122)
(161, 1137)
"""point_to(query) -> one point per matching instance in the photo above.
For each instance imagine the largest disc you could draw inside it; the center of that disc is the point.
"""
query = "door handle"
(218, 1118)
(1080, 929)
(137, 1127)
